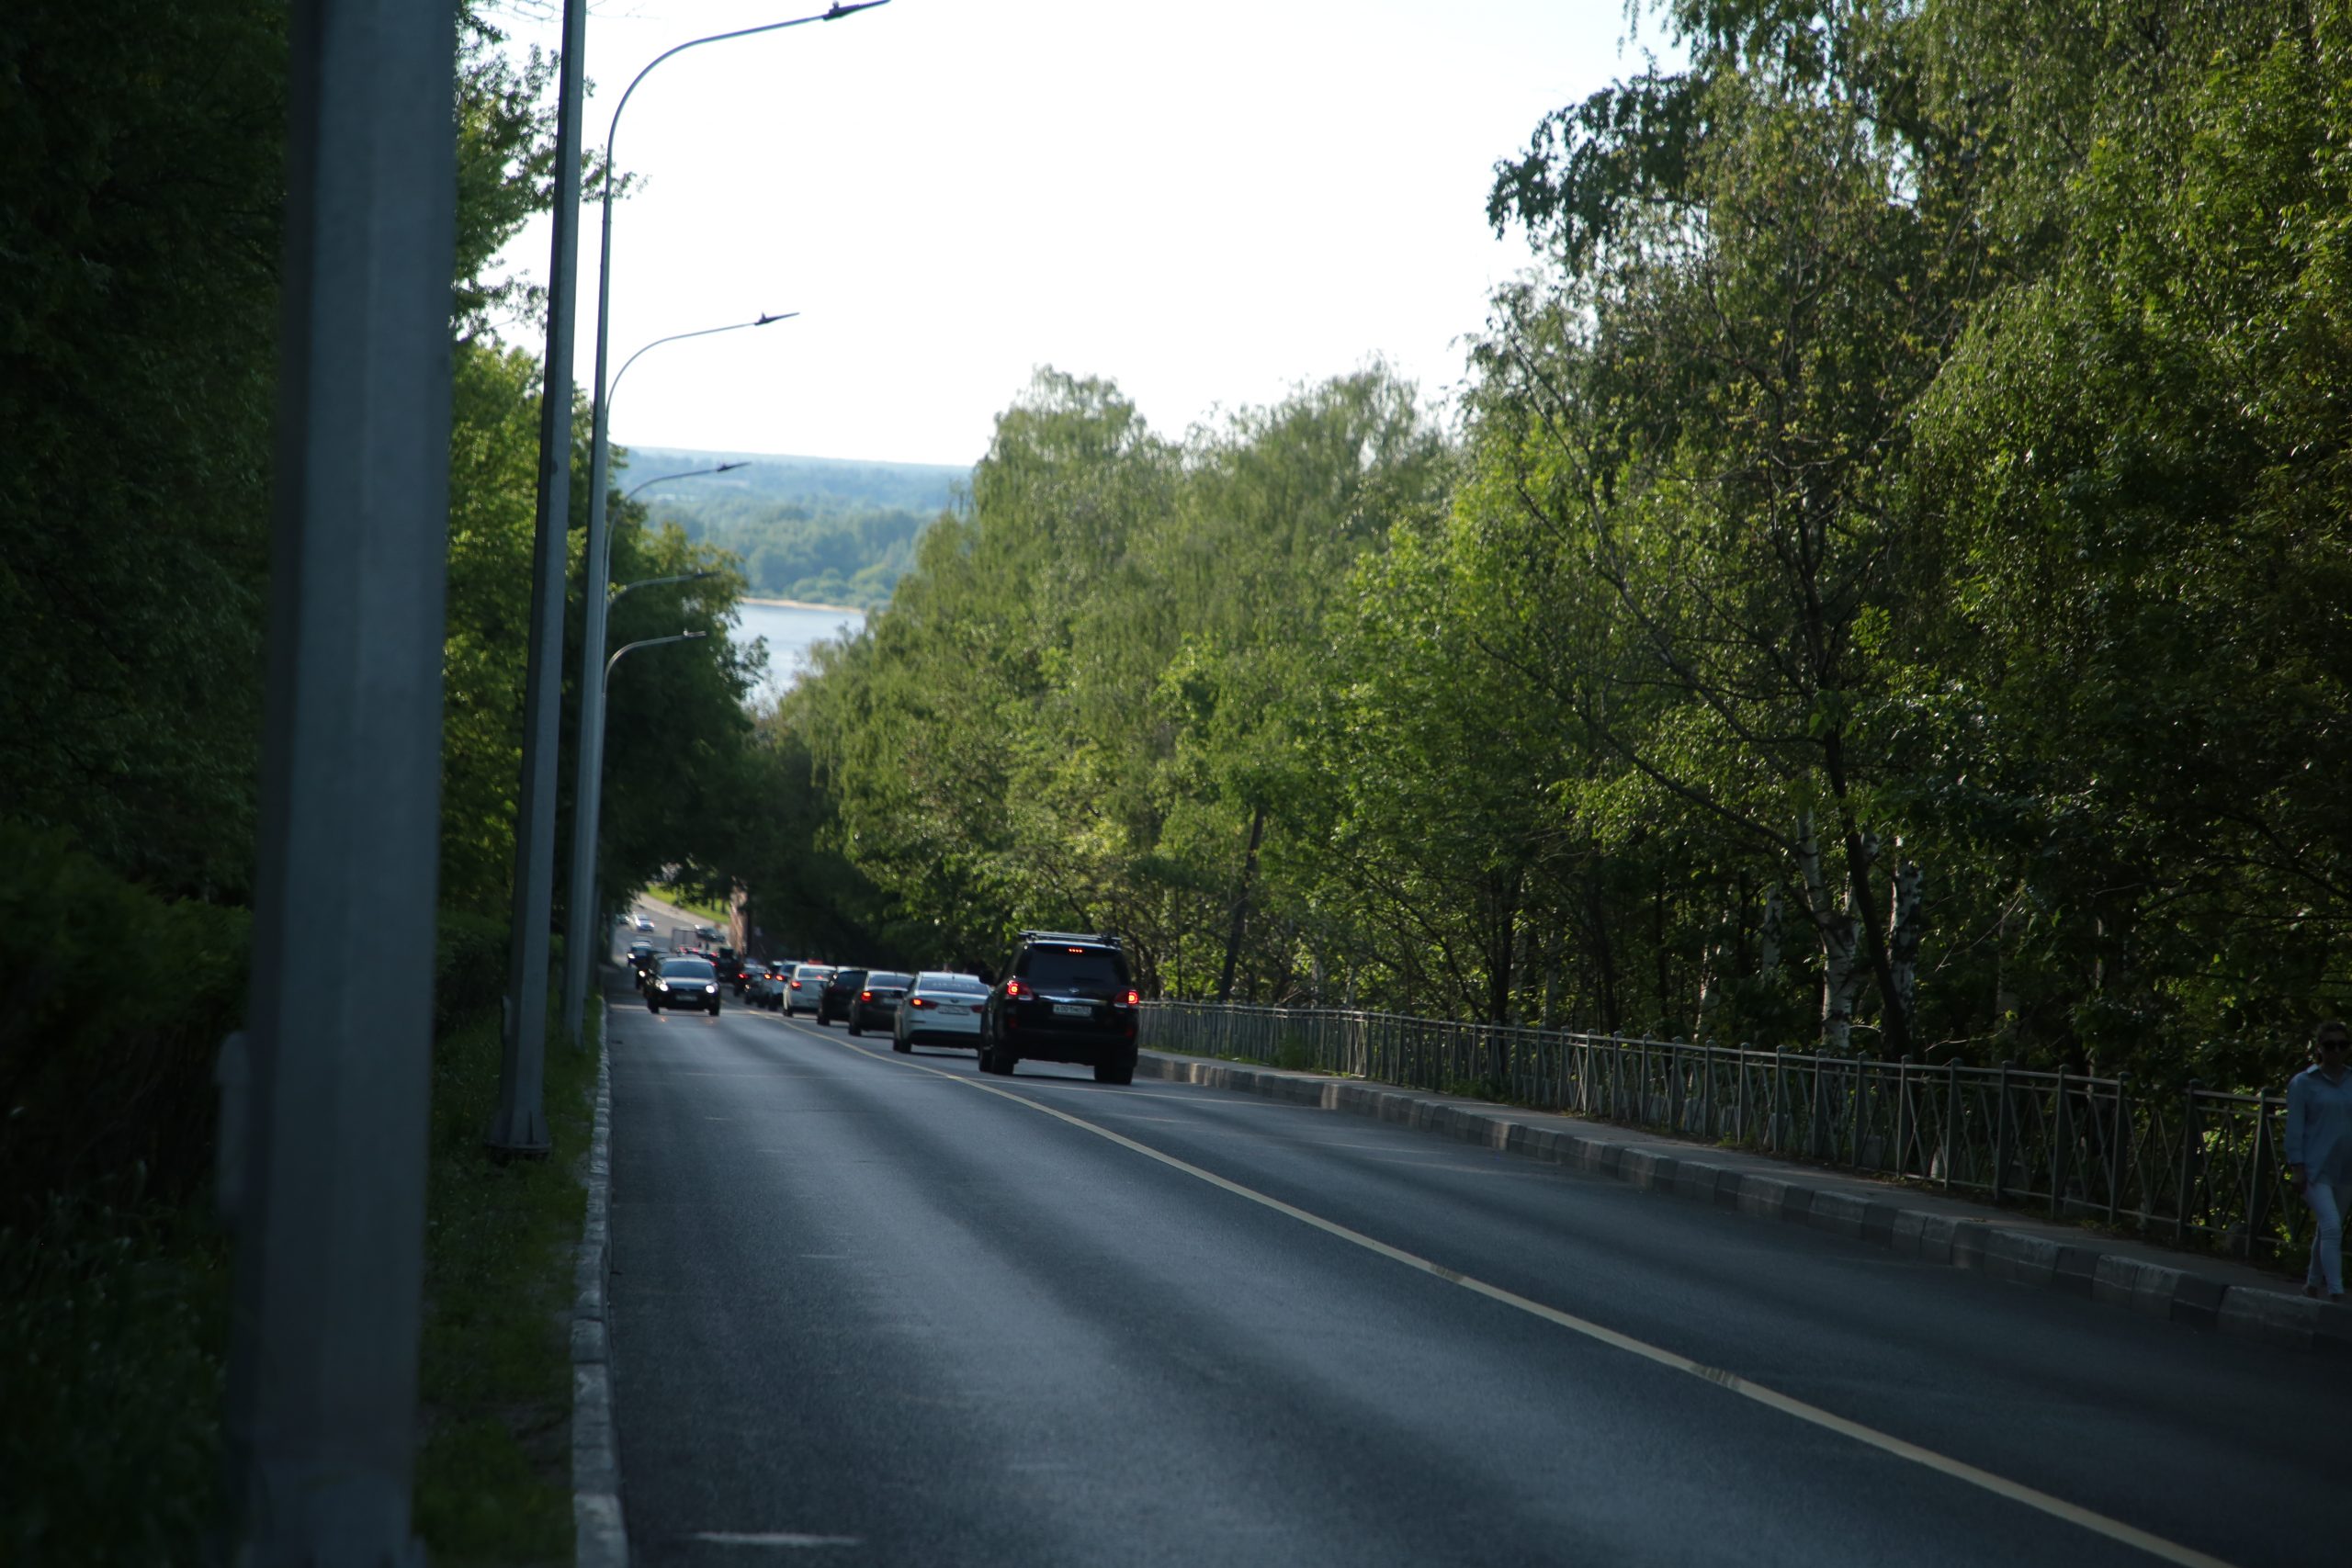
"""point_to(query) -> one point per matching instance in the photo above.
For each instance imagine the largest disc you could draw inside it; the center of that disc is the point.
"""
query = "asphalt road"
(870, 1309)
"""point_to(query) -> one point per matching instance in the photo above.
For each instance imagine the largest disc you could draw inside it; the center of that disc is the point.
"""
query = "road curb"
(599, 1539)
(2179, 1294)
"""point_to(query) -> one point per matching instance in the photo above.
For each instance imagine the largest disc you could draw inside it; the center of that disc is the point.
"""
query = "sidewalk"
(2183, 1287)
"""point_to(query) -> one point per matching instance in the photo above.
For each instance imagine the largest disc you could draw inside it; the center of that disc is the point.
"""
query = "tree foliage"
(1887, 586)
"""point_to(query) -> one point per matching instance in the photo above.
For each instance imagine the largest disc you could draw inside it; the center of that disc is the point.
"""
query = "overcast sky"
(1209, 204)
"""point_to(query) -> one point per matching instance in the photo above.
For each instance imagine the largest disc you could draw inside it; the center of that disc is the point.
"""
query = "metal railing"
(2193, 1165)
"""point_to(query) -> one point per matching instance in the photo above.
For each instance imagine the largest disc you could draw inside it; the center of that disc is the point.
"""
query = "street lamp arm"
(656, 582)
(702, 332)
(627, 649)
(684, 474)
(832, 14)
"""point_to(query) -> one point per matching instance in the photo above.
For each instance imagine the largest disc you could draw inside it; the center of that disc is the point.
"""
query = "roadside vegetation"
(1886, 587)
(139, 211)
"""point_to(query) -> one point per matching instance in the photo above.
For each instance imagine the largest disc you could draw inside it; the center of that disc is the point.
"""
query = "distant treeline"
(823, 530)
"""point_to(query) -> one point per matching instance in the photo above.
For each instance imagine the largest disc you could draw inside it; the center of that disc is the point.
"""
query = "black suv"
(1063, 997)
(839, 995)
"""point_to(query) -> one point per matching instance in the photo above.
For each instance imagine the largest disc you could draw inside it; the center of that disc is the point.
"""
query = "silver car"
(940, 1009)
(805, 989)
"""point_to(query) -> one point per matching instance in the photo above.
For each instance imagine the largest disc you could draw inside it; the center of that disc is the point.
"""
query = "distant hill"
(824, 529)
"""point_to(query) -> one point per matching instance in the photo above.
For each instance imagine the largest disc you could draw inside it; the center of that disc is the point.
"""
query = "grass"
(493, 1476)
(114, 1319)
(715, 913)
(113, 1327)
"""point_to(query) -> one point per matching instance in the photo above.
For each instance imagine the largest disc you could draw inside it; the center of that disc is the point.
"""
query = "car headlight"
(661, 984)
(710, 990)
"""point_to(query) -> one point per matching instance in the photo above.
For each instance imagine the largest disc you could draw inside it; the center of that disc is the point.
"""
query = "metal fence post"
(1779, 1097)
(1813, 1114)
(1862, 1074)
(2115, 1146)
(1901, 1114)
(1739, 1092)
(1952, 1115)
(2188, 1145)
(1707, 1119)
(2001, 1133)
(2257, 1195)
(2060, 1149)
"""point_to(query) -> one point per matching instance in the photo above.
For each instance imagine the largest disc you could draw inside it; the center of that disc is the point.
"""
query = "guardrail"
(2193, 1164)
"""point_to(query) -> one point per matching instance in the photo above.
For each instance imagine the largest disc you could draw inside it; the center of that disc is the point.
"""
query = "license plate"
(1072, 1010)
(947, 1008)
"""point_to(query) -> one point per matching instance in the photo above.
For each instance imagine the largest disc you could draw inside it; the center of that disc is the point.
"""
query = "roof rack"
(1099, 938)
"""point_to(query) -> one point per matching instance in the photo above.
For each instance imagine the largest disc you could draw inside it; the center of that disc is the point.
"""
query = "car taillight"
(865, 996)
(917, 1002)
(1014, 991)
(1133, 996)
(796, 985)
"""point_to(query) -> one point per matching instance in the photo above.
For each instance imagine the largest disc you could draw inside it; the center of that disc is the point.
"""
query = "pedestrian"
(2319, 1151)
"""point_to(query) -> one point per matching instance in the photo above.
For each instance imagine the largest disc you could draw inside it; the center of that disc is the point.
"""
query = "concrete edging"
(599, 1539)
(2178, 1294)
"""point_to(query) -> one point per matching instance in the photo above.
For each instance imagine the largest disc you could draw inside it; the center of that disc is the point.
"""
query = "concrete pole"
(519, 1125)
(329, 1084)
(586, 802)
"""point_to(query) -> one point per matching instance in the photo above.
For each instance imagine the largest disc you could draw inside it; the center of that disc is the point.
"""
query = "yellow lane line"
(1885, 1442)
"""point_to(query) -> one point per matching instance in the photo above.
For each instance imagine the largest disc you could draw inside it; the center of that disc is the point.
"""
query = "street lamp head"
(731, 468)
(765, 318)
(837, 10)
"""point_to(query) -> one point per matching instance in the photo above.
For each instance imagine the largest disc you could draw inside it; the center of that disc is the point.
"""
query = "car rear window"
(810, 972)
(687, 969)
(1074, 967)
(944, 982)
(850, 976)
(887, 978)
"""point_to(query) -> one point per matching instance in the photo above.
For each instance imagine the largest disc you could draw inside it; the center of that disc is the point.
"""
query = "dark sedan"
(685, 983)
(875, 1006)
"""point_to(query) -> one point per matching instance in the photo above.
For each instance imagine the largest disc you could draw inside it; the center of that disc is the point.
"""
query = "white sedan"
(644, 923)
(940, 1009)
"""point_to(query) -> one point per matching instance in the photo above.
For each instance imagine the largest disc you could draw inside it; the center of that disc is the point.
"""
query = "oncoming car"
(940, 1009)
(683, 983)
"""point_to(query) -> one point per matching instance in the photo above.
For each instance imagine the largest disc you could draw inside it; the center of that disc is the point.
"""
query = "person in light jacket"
(2319, 1151)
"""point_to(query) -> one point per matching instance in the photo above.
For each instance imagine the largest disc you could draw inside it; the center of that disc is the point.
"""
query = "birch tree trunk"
(1842, 968)
(1907, 928)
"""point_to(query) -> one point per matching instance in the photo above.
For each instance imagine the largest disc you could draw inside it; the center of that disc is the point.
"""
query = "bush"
(114, 1279)
(122, 1000)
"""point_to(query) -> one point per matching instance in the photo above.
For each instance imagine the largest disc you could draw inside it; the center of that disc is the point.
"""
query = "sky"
(1211, 205)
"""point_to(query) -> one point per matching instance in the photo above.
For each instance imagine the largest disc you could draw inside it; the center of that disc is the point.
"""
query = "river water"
(789, 631)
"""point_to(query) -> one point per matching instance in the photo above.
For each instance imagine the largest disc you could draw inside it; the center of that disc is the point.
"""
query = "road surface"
(872, 1308)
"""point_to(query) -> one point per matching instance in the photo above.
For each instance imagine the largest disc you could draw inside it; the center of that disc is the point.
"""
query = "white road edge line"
(1871, 1437)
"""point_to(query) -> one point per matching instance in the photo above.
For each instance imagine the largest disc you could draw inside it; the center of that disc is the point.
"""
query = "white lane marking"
(1773, 1399)
(775, 1538)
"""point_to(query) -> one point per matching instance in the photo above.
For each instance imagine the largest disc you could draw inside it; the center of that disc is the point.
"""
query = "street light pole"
(518, 1125)
(326, 1091)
